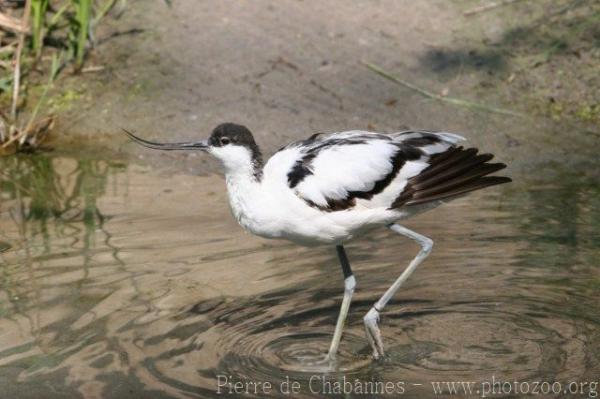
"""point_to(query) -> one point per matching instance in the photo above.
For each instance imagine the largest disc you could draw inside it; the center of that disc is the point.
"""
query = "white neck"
(243, 179)
(243, 189)
(236, 160)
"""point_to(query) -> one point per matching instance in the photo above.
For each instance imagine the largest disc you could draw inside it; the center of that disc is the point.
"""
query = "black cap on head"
(227, 133)
(234, 134)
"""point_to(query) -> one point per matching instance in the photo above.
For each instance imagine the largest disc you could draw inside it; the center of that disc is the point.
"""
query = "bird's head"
(230, 143)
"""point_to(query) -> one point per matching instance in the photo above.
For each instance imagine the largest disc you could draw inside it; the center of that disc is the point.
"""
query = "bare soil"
(287, 69)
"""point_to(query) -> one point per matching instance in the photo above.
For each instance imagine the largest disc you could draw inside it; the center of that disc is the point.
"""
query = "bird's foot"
(331, 357)
(331, 361)
(373, 333)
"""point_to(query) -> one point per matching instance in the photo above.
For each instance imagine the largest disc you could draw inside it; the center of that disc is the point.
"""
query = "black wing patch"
(398, 160)
(302, 167)
(300, 170)
(454, 172)
(423, 140)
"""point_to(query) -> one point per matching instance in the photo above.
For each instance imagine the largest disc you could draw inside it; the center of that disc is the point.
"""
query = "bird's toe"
(373, 333)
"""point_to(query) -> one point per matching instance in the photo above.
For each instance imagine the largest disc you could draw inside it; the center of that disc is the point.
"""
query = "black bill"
(200, 145)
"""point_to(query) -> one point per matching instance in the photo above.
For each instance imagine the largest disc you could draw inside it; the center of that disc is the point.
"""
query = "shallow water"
(121, 281)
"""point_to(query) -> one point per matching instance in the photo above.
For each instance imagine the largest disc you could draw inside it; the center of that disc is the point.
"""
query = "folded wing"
(360, 169)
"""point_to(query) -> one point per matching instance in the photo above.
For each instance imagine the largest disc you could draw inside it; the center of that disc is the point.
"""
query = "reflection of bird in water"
(330, 188)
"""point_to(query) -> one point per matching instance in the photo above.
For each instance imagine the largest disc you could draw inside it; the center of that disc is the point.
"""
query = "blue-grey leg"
(372, 317)
(349, 285)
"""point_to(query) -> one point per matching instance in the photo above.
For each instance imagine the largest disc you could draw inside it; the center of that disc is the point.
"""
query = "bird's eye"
(225, 140)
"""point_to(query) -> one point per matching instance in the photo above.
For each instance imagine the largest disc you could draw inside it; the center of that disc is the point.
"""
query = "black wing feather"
(454, 172)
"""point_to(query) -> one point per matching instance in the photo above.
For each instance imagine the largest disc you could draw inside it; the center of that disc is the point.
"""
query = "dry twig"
(32, 134)
(488, 7)
(13, 24)
(17, 72)
(450, 100)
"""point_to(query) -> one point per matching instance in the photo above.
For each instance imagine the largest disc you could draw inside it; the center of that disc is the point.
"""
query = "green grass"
(82, 17)
(61, 30)
(38, 17)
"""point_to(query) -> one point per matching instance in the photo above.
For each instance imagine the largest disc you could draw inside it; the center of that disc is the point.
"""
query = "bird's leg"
(349, 285)
(372, 317)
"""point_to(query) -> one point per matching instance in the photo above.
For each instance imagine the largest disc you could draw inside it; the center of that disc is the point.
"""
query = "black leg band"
(344, 261)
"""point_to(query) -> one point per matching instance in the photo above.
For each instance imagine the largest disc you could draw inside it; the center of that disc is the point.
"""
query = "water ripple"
(156, 302)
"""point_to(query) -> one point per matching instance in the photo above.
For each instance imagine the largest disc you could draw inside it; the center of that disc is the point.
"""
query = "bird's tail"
(452, 173)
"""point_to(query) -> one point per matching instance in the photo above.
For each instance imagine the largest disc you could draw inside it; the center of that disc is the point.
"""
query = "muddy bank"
(289, 69)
